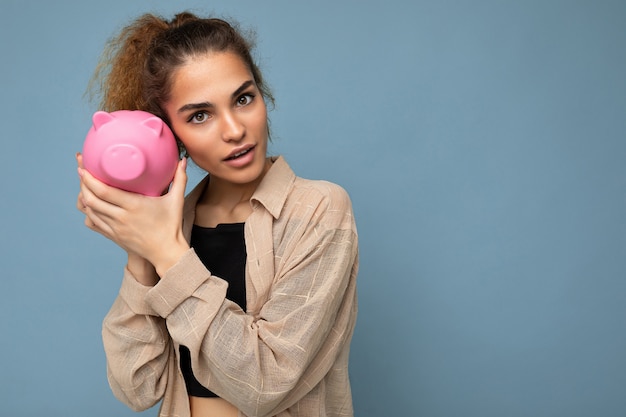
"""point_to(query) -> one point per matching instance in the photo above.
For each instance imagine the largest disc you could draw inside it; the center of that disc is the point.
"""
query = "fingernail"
(80, 172)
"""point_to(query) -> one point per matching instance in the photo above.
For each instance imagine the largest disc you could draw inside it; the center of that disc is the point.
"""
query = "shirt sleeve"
(137, 347)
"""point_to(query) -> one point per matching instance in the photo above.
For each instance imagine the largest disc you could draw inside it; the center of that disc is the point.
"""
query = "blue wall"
(483, 144)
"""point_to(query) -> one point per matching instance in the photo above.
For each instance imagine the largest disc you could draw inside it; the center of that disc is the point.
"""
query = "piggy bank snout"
(124, 162)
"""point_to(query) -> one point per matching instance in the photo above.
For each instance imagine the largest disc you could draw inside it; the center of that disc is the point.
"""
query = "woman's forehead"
(216, 73)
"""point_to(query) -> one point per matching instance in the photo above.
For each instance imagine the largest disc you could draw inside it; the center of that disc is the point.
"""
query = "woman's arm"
(142, 270)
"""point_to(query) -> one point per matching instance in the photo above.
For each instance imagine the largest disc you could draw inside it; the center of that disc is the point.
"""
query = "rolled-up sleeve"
(137, 347)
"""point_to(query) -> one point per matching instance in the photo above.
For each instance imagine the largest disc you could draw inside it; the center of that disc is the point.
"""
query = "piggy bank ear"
(155, 124)
(100, 118)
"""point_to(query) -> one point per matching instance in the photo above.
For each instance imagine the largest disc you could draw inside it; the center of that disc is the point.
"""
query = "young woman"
(240, 299)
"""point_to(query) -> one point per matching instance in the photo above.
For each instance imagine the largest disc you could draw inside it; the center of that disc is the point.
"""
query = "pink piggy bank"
(132, 150)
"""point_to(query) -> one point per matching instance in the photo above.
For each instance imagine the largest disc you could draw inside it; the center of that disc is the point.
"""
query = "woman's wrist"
(170, 257)
(143, 271)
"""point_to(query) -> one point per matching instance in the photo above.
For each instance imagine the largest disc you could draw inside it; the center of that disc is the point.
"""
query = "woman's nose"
(232, 128)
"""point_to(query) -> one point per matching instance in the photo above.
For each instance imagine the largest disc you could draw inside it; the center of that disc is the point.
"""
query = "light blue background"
(483, 144)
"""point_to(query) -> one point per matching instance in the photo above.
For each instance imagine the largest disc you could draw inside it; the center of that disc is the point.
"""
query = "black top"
(222, 250)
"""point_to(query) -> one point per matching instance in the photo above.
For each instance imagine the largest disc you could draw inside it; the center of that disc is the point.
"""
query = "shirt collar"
(271, 193)
(273, 190)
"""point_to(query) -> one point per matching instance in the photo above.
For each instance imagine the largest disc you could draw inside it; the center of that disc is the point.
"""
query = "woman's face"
(219, 114)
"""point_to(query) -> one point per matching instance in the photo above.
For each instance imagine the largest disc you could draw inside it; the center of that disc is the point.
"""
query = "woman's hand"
(149, 227)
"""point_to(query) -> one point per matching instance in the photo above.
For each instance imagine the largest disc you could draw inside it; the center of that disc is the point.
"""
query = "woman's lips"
(241, 157)
(238, 153)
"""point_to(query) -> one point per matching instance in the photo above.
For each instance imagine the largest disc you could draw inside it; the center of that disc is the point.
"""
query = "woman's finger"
(103, 198)
(98, 223)
(180, 178)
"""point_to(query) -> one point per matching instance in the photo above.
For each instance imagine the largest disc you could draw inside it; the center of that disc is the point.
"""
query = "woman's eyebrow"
(241, 88)
(206, 104)
(194, 106)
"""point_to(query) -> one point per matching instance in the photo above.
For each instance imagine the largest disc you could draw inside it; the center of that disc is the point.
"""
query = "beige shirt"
(287, 355)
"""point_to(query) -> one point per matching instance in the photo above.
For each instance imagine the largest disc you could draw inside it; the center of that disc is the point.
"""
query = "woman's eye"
(199, 117)
(245, 99)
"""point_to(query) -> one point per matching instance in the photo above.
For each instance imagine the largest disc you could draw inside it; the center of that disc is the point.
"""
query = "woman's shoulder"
(323, 203)
(304, 191)
(320, 190)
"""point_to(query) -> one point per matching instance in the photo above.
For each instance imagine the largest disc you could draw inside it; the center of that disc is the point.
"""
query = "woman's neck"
(226, 202)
